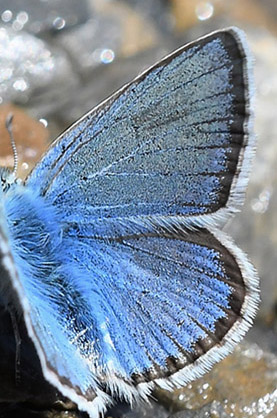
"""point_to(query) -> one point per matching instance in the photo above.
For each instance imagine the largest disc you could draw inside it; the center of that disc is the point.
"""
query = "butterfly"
(113, 246)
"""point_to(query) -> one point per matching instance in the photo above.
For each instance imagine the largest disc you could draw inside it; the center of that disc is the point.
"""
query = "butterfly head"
(8, 177)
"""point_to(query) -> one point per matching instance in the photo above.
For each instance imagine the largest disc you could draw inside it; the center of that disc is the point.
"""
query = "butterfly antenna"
(9, 121)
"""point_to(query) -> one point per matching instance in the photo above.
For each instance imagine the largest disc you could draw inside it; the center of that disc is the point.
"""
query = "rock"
(44, 15)
(255, 228)
(212, 410)
(144, 410)
(112, 33)
(241, 386)
(29, 67)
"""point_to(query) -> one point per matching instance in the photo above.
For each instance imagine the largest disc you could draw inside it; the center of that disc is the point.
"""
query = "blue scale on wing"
(149, 305)
(163, 147)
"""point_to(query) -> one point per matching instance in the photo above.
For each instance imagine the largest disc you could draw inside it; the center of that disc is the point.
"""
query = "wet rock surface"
(234, 388)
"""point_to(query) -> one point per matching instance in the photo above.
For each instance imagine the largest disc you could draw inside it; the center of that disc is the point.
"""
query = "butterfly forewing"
(168, 144)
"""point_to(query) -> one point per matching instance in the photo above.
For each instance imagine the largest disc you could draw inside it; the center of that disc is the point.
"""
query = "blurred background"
(59, 58)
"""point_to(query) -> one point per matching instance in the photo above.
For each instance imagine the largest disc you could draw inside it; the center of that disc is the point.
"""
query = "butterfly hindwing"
(138, 309)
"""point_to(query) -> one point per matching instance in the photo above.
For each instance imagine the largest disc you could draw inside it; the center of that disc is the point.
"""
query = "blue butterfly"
(113, 248)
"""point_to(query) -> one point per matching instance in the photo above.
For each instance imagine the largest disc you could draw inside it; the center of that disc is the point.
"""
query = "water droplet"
(59, 23)
(20, 84)
(204, 10)
(107, 56)
(104, 55)
(260, 204)
(25, 166)
(22, 17)
(6, 16)
(44, 122)
(17, 26)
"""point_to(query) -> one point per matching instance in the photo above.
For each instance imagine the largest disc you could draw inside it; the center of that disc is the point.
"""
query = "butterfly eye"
(10, 179)
(7, 178)
(3, 182)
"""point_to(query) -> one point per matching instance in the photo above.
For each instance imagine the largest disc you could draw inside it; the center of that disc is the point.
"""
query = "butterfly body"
(113, 246)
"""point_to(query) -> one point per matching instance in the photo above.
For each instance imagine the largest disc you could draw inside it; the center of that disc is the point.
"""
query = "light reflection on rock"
(28, 66)
(43, 15)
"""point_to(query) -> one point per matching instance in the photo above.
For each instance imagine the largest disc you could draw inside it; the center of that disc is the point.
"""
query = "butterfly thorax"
(42, 253)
